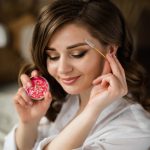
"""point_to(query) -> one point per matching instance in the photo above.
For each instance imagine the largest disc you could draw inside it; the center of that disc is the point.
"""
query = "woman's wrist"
(28, 125)
(93, 109)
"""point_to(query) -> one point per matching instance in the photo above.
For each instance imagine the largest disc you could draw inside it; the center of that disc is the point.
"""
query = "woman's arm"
(26, 136)
(75, 133)
(29, 116)
(30, 113)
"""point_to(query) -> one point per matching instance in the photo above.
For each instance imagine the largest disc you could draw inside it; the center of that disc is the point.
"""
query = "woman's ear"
(111, 49)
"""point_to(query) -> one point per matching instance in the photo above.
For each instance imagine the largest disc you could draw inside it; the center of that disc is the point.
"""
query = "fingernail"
(28, 84)
(110, 54)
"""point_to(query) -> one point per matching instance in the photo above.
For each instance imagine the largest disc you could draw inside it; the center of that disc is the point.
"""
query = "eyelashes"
(53, 58)
(77, 55)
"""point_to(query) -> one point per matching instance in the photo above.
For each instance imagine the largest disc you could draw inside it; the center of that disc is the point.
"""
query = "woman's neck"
(84, 98)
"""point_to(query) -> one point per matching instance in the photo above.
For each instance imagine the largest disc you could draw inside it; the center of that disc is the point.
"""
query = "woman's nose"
(64, 66)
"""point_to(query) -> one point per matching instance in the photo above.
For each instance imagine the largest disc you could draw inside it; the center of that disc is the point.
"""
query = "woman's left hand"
(109, 87)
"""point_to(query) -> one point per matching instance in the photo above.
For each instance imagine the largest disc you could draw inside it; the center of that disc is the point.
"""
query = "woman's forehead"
(69, 35)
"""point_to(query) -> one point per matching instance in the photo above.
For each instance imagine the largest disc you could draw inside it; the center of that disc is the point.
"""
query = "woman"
(95, 102)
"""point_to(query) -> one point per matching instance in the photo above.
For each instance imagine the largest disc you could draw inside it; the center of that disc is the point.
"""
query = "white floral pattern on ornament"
(39, 87)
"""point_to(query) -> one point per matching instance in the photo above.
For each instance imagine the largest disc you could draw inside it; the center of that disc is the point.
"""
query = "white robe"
(121, 126)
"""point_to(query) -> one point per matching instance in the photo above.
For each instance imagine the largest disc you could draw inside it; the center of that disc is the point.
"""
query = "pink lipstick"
(70, 80)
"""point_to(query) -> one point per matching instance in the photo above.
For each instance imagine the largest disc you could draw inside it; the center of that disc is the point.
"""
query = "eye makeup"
(88, 42)
(52, 55)
(79, 54)
(73, 54)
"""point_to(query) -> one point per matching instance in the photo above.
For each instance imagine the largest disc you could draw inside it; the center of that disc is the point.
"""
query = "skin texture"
(103, 81)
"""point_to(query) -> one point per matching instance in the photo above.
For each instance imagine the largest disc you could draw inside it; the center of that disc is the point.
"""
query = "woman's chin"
(76, 91)
(72, 91)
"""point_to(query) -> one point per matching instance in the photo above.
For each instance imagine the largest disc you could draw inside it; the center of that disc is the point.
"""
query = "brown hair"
(105, 22)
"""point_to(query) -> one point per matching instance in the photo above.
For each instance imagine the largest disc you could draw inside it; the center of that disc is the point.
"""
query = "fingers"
(48, 96)
(22, 100)
(35, 73)
(115, 65)
(116, 68)
(99, 79)
(26, 82)
(123, 79)
(25, 79)
(106, 80)
(19, 100)
(47, 99)
(116, 78)
(119, 65)
(24, 95)
(112, 83)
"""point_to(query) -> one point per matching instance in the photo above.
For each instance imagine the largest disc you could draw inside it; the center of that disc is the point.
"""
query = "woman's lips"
(69, 80)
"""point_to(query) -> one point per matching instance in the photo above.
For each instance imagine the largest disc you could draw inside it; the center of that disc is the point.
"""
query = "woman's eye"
(53, 57)
(79, 55)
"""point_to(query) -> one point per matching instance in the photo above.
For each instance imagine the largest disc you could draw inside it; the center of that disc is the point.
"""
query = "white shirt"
(121, 126)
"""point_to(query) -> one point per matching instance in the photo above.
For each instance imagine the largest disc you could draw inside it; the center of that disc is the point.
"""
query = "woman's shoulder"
(124, 109)
(123, 119)
(122, 125)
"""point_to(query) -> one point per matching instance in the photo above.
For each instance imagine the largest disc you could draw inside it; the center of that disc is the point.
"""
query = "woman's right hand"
(30, 111)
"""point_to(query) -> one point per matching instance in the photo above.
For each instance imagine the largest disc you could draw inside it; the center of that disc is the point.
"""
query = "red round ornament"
(39, 87)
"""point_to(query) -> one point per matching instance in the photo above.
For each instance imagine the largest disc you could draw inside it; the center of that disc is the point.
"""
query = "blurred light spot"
(3, 36)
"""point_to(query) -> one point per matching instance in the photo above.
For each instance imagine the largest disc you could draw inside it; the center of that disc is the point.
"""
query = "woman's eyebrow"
(68, 47)
(76, 45)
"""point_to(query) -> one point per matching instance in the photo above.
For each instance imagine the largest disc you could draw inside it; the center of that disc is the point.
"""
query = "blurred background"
(17, 19)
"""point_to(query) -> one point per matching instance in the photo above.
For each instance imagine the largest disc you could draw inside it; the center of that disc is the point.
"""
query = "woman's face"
(71, 61)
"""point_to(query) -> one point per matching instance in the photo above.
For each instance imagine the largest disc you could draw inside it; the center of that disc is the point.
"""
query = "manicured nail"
(110, 54)
(28, 84)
